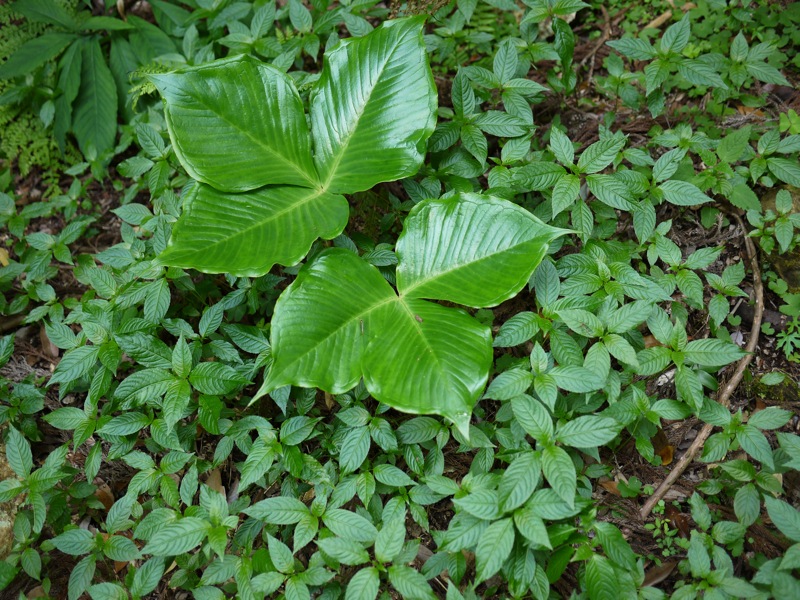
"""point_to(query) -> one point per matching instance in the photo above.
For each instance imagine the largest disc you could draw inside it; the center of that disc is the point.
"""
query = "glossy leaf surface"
(238, 124)
(414, 355)
(326, 351)
(373, 108)
(470, 249)
(246, 234)
(427, 358)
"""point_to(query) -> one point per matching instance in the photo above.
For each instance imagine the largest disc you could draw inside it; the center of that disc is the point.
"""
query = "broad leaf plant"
(267, 185)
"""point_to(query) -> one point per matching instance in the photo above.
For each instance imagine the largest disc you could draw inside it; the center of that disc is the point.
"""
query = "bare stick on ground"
(724, 396)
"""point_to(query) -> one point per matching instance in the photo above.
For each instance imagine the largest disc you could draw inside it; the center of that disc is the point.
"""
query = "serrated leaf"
(344, 551)
(176, 538)
(410, 583)
(786, 170)
(280, 510)
(756, 445)
(682, 193)
(784, 517)
(215, 378)
(95, 110)
(599, 155)
(519, 481)
(712, 352)
(576, 379)
(364, 585)
(493, 549)
(75, 364)
(565, 192)
(390, 539)
(588, 431)
(509, 384)
(34, 53)
(349, 525)
(533, 416)
(18, 453)
(559, 471)
(517, 330)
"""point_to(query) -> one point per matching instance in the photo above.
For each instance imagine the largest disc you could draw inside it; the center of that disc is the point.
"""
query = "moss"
(787, 391)
(25, 139)
(786, 265)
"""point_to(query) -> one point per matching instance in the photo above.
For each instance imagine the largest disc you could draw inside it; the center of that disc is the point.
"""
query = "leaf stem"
(724, 397)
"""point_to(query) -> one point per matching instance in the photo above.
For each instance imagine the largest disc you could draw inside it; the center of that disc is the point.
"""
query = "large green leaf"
(245, 234)
(46, 11)
(414, 355)
(35, 53)
(94, 119)
(238, 124)
(470, 249)
(373, 108)
(325, 351)
(427, 358)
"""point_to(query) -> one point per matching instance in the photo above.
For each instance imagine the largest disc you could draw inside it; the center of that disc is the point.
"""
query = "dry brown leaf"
(37, 592)
(678, 519)
(651, 342)
(48, 347)
(658, 573)
(611, 487)
(214, 481)
(3, 257)
(662, 447)
(667, 453)
(105, 495)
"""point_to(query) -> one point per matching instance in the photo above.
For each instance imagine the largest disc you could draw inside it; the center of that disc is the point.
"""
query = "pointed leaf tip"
(470, 249)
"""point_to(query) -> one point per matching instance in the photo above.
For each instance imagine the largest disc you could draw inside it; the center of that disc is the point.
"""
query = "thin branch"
(724, 396)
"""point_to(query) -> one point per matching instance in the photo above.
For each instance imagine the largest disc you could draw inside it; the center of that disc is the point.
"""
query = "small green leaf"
(493, 549)
(349, 525)
(559, 471)
(216, 378)
(588, 431)
(785, 517)
(18, 453)
(410, 583)
(176, 538)
(756, 445)
(75, 542)
(682, 193)
(712, 352)
(364, 585)
(390, 539)
(344, 551)
(599, 155)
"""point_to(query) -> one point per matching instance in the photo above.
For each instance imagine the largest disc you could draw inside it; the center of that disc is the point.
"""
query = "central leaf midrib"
(271, 216)
(457, 267)
(416, 326)
(358, 317)
(296, 167)
(346, 141)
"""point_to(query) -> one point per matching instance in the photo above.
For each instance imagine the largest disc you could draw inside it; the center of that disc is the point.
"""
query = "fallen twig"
(603, 39)
(724, 397)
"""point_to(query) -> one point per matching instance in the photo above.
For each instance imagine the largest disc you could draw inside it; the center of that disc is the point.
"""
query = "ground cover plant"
(470, 299)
